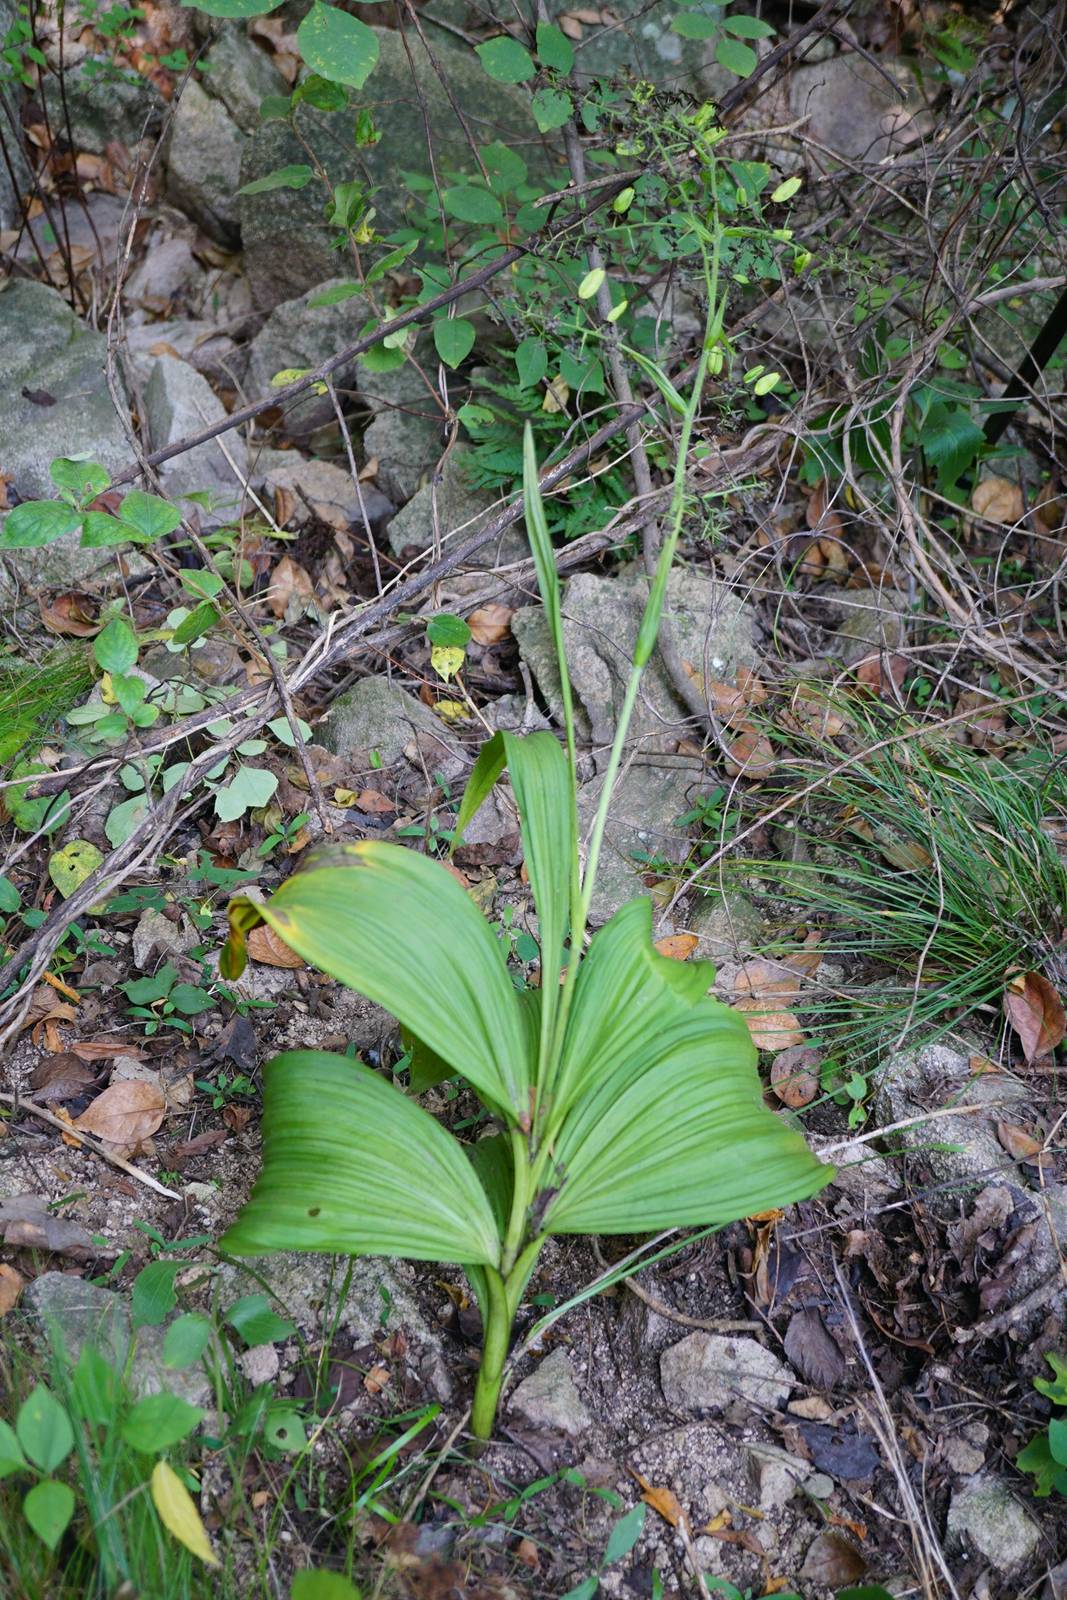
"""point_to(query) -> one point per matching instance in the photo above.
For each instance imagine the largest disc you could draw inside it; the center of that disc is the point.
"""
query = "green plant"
(627, 1100)
(1045, 1457)
(226, 1087)
(161, 1001)
(933, 863)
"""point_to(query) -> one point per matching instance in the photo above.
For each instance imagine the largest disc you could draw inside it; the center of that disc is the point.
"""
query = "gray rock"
(211, 353)
(646, 803)
(776, 1475)
(407, 446)
(986, 1515)
(601, 617)
(461, 512)
(46, 350)
(103, 104)
(296, 335)
(727, 925)
(168, 272)
(874, 620)
(379, 1293)
(709, 1372)
(376, 715)
(851, 109)
(81, 1313)
(241, 75)
(324, 490)
(155, 934)
(178, 402)
(204, 164)
(549, 1397)
(287, 242)
(260, 1364)
(914, 1083)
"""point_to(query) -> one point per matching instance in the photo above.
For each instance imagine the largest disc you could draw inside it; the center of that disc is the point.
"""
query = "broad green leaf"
(250, 787)
(506, 168)
(333, 1180)
(48, 1508)
(69, 867)
(115, 648)
(747, 27)
(492, 1160)
(100, 531)
(296, 176)
(399, 929)
(153, 1297)
(387, 262)
(667, 1125)
(551, 108)
(158, 1421)
(148, 516)
(338, 47)
(190, 1000)
(257, 1323)
(123, 819)
(554, 48)
(1057, 1441)
(200, 620)
(38, 522)
(83, 479)
(425, 1067)
(178, 1513)
(540, 778)
(316, 1583)
(453, 339)
(10, 899)
(625, 1534)
(449, 631)
(591, 283)
(44, 1429)
(531, 362)
(468, 203)
(11, 1456)
(186, 1340)
(695, 25)
(506, 60)
(736, 57)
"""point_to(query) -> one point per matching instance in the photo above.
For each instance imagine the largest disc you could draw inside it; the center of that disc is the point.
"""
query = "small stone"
(549, 1397)
(985, 1514)
(378, 716)
(179, 402)
(727, 925)
(709, 1372)
(961, 1456)
(156, 934)
(776, 1474)
(241, 75)
(319, 488)
(260, 1364)
(461, 511)
(407, 446)
(204, 164)
(819, 1486)
(213, 354)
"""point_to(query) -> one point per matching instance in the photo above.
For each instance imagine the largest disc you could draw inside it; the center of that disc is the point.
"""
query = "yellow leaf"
(178, 1513)
(557, 393)
(451, 710)
(446, 660)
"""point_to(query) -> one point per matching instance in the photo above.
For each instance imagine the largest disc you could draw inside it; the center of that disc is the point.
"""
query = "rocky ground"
(808, 1400)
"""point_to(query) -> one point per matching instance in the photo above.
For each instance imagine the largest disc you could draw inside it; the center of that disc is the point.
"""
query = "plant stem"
(494, 1352)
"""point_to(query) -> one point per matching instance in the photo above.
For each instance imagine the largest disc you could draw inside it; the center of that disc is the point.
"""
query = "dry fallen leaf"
(27, 1223)
(10, 1288)
(44, 1006)
(490, 624)
(291, 591)
(881, 673)
(761, 977)
(125, 1113)
(812, 1350)
(60, 1077)
(376, 1379)
(526, 1552)
(1019, 1144)
(1034, 1009)
(998, 500)
(795, 1076)
(662, 1500)
(750, 755)
(770, 1030)
(265, 946)
(678, 946)
(70, 613)
(832, 1561)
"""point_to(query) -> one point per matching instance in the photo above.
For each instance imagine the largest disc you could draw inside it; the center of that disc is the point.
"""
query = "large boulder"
(204, 164)
(179, 402)
(103, 104)
(56, 403)
(288, 244)
(240, 74)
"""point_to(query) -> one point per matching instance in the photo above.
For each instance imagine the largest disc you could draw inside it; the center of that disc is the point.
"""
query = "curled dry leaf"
(45, 1007)
(1019, 1144)
(882, 673)
(1034, 1009)
(60, 1077)
(832, 1561)
(761, 977)
(810, 712)
(71, 613)
(998, 500)
(812, 1350)
(770, 1030)
(490, 624)
(663, 1501)
(795, 1076)
(750, 755)
(291, 591)
(265, 946)
(10, 1288)
(678, 946)
(125, 1113)
(26, 1223)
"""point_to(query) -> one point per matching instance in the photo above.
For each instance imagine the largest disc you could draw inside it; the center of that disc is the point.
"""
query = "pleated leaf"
(352, 1165)
(540, 779)
(667, 1126)
(399, 929)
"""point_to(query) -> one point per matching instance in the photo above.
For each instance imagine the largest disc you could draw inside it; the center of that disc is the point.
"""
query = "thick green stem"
(498, 1315)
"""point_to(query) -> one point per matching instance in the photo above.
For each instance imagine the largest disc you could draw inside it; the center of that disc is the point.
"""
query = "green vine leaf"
(506, 60)
(338, 47)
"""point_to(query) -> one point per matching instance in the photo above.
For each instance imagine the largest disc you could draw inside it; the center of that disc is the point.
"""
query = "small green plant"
(161, 1001)
(225, 1087)
(1045, 1457)
(626, 1100)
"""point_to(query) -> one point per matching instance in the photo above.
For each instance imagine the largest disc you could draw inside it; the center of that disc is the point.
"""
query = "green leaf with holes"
(506, 60)
(338, 47)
